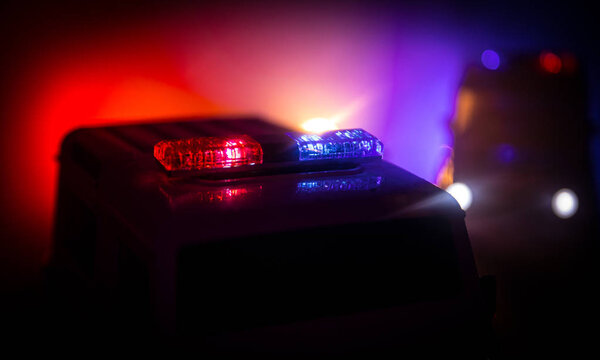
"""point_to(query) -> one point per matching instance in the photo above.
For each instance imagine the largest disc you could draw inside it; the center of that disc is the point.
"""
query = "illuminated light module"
(337, 144)
(208, 153)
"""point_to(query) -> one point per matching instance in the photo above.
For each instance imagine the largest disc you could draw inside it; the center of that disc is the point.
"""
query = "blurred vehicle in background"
(521, 169)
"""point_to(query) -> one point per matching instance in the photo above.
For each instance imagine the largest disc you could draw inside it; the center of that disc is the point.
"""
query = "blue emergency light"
(337, 144)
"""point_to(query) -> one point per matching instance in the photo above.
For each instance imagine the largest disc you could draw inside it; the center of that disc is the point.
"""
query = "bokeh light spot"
(462, 194)
(550, 62)
(490, 59)
(506, 153)
(569, 62)
(565, 203)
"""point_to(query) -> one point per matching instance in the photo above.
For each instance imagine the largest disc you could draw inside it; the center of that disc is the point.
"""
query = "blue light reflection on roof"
(339, 184)
(337, 144)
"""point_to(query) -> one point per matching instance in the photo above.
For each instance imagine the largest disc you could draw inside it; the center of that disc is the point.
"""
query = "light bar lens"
(208, 153)
(338, 144)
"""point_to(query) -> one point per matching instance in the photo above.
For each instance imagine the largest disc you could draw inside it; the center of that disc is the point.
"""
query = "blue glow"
(506, 153)
(337, 144)
(490, 59)
(339, 184)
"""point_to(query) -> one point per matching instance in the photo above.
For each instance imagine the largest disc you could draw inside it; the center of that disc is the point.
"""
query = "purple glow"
(490, 59)
(391, 77)
(416, 131)
(506, 153)
(396, 74)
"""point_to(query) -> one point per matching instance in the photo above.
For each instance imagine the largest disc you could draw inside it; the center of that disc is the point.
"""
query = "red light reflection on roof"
(178, 197)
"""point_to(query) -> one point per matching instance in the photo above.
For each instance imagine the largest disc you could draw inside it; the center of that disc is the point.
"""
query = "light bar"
(208, 153)
(337, 144)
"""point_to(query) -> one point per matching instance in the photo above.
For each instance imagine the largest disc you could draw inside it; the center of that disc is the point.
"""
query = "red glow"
(178, 197)
(73, 86)
(550, 62)
(182, 64)
(569, 62)
(208, 153)
(227, 194)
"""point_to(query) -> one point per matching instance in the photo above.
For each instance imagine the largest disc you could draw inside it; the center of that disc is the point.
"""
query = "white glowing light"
(462, 194)
(319, 125)
(565, 203)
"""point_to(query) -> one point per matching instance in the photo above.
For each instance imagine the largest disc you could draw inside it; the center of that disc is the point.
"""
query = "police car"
(237, 236)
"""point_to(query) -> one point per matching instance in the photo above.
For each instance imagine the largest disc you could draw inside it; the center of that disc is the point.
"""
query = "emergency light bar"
(209, 154)
(337, 144)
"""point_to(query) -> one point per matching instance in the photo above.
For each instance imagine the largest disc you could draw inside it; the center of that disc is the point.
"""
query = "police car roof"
(115, 166)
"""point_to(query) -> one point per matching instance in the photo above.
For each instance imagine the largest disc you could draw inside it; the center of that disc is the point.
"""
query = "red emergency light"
(208, 153)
